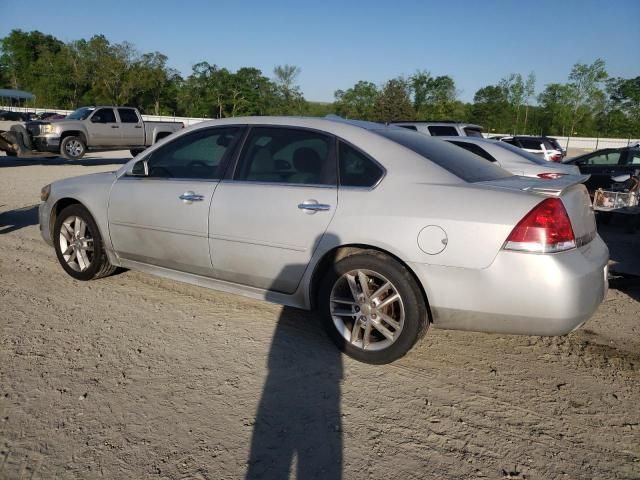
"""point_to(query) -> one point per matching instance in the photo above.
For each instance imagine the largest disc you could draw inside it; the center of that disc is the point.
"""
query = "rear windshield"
(473, 132)
(522, 153)
(465, 165)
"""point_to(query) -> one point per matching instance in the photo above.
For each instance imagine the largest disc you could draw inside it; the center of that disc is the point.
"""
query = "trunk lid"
(569, 189)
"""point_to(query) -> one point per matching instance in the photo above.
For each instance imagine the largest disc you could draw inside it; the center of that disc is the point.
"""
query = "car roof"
(435, 122)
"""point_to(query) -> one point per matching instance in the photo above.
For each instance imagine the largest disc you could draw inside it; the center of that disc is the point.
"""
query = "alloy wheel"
(76, 243)
(367, 309)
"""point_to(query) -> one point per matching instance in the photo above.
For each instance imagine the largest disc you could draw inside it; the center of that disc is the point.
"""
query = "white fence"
(582, 143)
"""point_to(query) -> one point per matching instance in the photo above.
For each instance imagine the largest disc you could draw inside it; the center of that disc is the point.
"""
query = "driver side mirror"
(96, 119)
(140, 169)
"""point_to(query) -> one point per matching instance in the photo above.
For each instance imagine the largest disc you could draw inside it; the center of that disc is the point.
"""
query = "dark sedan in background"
(604, 164)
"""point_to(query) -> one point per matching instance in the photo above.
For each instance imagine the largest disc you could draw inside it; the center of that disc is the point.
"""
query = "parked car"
(384, 230)
(443, 128)
(513, 159)
(542, 146)
(13, 116)
(606, 163)
(50, 116)
(96, 129)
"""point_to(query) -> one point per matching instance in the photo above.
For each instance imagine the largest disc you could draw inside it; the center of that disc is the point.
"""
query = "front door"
(104, 130)
(268, 219)
(162, 218)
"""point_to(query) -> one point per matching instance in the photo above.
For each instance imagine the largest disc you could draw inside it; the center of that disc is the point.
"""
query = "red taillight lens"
(545, 229)
(555, 158)
(550, 175)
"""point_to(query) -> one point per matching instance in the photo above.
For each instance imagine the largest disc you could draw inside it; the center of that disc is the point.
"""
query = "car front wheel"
(72, 148)
(373, 308)
(78, 244)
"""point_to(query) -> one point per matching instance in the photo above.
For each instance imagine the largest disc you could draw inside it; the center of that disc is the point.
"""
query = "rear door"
(131, 127)
(269, 217)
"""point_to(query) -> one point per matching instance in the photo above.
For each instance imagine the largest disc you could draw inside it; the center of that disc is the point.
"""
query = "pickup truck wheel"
(72, 148)
(78, 245)
(372, 307)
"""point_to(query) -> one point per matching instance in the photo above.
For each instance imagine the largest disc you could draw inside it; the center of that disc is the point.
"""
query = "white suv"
(443, 128)
(545, 147)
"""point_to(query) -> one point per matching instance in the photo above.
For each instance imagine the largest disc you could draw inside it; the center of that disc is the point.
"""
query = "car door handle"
(138, 126)
(115, 126)
(188, 197)
(312, 206)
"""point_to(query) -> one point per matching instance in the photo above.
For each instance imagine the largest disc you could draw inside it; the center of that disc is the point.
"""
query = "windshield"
(465, 165)
(523, 153)
(81, 113)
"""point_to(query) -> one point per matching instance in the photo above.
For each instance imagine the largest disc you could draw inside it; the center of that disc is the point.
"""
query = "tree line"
(97, 71)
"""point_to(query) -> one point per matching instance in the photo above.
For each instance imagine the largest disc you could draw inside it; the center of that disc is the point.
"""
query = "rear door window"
(473, 148)
(442, 131)
(473, 132)
(287, 155)
(530, 143)
(128, 115)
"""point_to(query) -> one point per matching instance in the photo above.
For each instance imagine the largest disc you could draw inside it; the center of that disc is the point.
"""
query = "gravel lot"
(134, 376)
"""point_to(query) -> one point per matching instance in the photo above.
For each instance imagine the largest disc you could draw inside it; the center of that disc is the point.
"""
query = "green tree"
(489, 105)
(529, 92)
(292, 99)
(556, 107)
(586, 96)
(357, 102)
(434, 98)
(394, 102)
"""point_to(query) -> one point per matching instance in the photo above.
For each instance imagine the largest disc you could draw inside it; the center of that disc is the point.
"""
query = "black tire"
(99, 265)
(136, 151)
(416, 319)
(72, 148)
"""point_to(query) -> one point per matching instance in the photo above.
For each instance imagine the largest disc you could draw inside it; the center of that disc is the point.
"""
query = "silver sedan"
(384, 230)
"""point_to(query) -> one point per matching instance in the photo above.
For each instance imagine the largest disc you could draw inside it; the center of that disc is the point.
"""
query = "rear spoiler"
(553, 188)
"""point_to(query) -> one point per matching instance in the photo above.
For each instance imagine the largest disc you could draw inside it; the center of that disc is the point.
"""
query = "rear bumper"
(520, 293)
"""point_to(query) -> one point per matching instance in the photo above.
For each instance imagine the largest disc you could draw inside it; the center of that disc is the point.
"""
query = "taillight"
(545, 229)
(555, 157)
(550, 175)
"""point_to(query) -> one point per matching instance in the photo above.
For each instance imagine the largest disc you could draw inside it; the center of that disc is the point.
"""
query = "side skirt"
(214, 284)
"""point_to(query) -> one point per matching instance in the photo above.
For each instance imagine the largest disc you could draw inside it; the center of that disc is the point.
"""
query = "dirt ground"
(133, 376)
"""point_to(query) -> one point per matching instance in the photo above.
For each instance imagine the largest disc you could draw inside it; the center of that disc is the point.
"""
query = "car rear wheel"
(372, 307)
(72, 148)
(79, 246)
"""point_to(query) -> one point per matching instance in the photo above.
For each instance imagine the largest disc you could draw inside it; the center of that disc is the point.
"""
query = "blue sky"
(337, 43)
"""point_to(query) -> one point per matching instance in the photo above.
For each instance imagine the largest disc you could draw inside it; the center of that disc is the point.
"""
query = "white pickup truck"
(87, 129)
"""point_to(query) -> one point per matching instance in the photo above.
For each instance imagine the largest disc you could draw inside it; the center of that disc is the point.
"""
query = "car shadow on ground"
(7, 161)
(13, 220)
(628, 284)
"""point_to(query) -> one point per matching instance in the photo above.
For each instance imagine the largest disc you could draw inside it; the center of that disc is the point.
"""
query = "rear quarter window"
(473, 132)
(464, 165)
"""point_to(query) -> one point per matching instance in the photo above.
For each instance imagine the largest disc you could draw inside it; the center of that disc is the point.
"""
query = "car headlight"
(49, 128)
(45, 192)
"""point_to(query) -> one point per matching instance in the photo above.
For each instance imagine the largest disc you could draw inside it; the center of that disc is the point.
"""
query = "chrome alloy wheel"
(73, 148)
(367, 309)
(76, 243)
